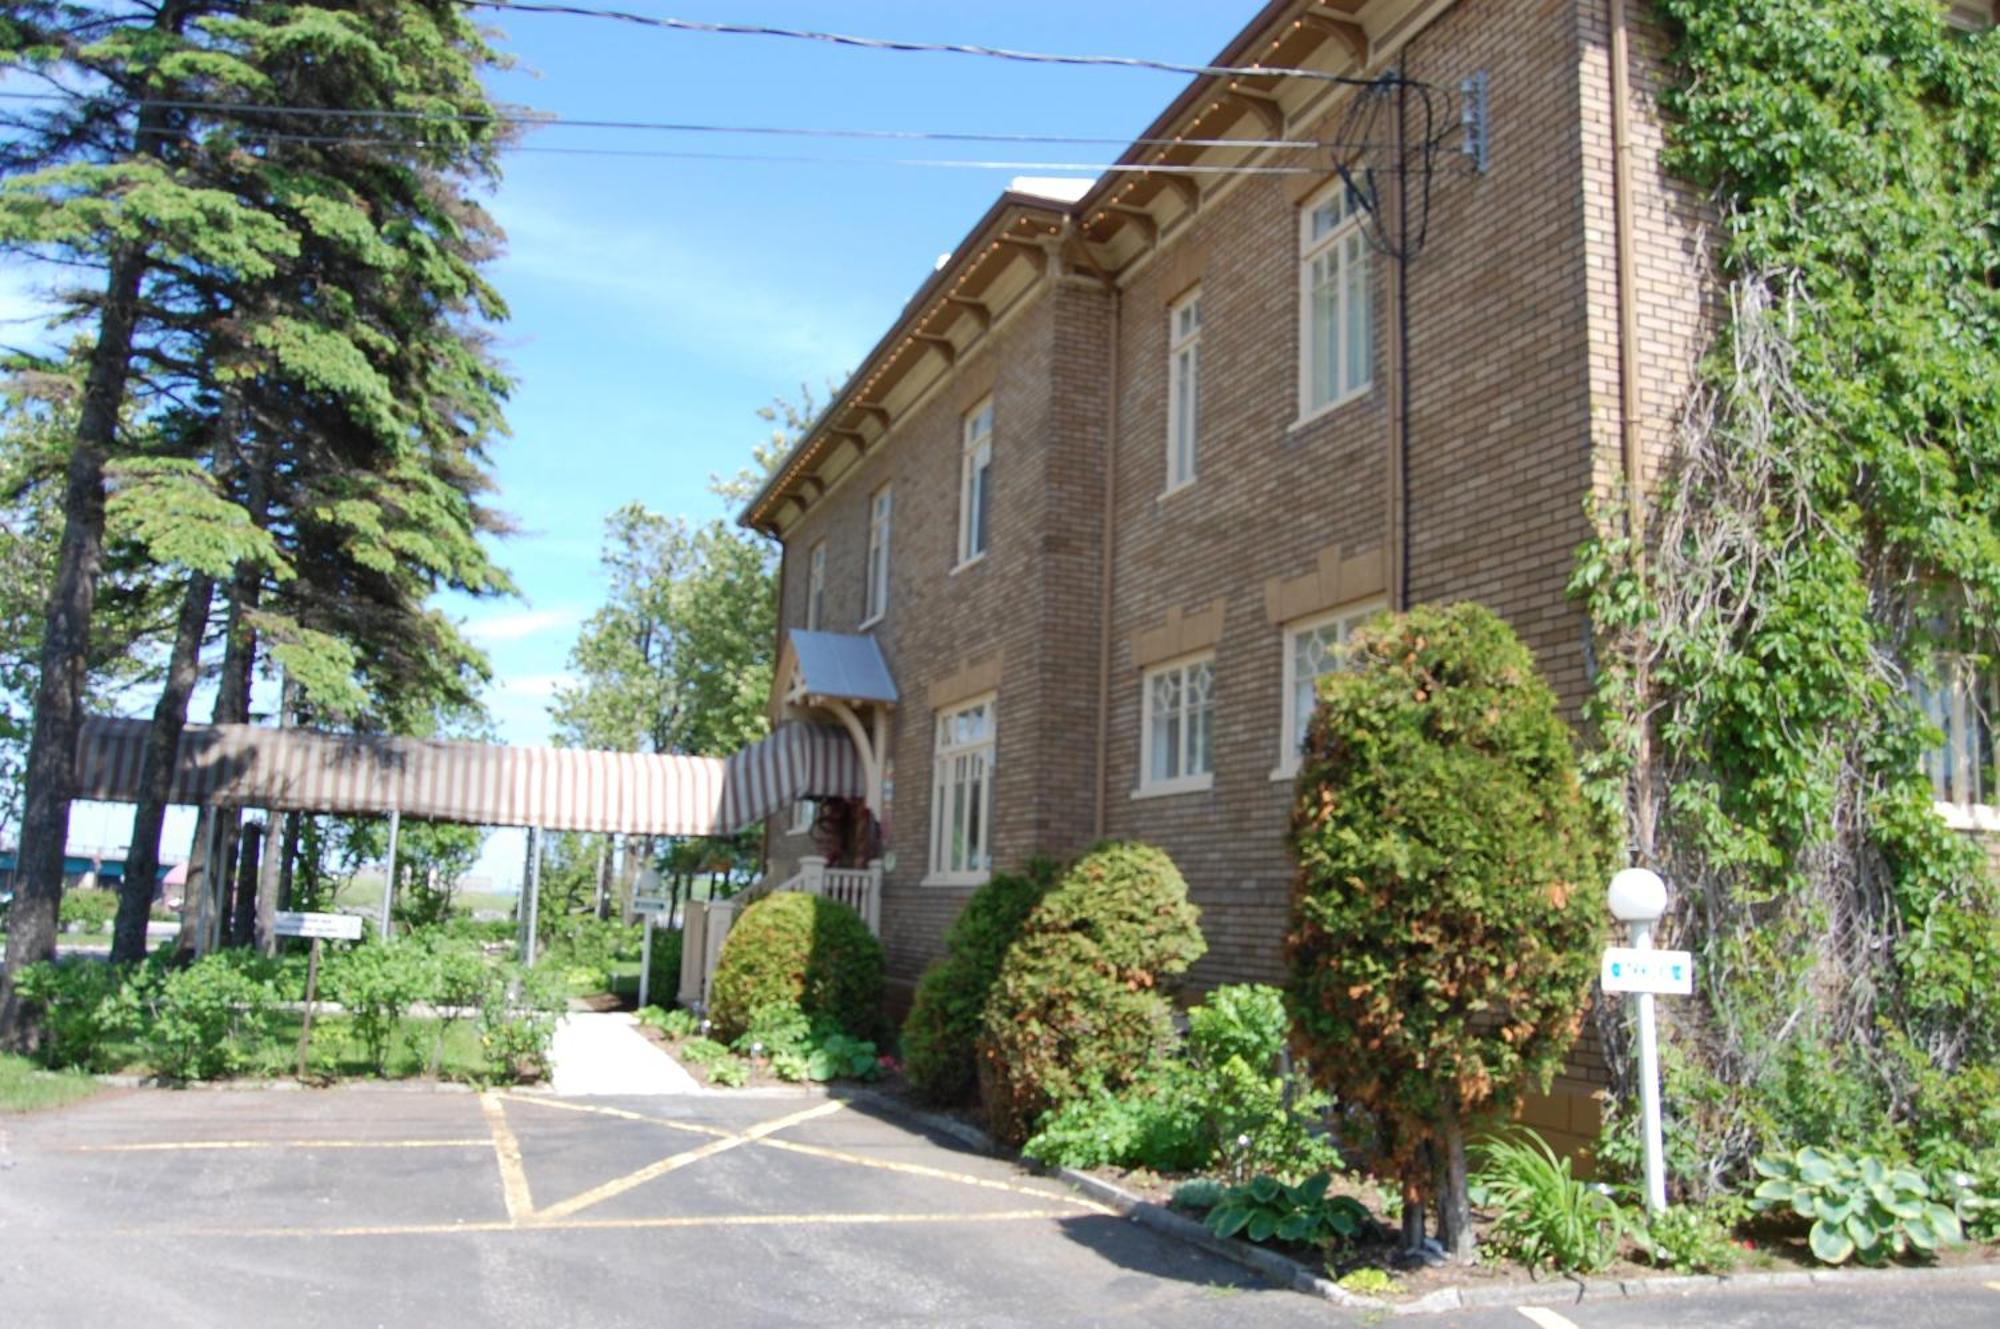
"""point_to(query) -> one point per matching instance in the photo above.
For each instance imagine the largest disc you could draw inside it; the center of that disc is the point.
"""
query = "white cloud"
(534, 685)
(522, 625)
(688, 299)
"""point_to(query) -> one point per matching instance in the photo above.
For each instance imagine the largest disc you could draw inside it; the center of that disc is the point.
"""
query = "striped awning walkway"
(556, 789)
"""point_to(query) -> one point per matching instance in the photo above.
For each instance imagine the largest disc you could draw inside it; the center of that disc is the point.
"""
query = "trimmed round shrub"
(1080, 1004)
(817, 954)
(943, 1025)
(1449, 904)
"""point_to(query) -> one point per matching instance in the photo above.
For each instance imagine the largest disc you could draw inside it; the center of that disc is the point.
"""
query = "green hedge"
(1080, 1003)
(792, 947)
(943, 1025)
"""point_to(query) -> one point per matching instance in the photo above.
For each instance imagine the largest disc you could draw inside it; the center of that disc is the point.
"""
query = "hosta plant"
(1974, 1195)
(1303, 1215)
(840, 1057)
(1860, 1207)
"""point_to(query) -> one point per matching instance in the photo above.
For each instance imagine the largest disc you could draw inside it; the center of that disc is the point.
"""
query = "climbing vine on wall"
(1827, 530)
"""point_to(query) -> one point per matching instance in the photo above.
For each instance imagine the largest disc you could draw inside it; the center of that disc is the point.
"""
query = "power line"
(908, 47)
(794, 131)
(802, 159)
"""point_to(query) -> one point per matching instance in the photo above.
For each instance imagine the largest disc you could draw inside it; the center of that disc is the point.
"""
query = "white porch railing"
(708, 922)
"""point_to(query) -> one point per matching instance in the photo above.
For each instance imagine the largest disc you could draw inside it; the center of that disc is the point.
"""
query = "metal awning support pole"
(389, 882)
(533, 887)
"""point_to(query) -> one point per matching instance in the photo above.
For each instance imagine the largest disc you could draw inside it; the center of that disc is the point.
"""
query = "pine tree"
(256, 256)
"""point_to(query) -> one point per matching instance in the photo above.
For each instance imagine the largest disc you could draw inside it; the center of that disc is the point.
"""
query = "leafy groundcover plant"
(1301, 1215)
(1860, 1207)
(1543, 1216)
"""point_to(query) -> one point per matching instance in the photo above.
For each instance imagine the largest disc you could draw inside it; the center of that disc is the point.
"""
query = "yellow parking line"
(583, 1225)
(1545, 1317)
(919, 1170)
(619, 1185)
(174, 1146)
(696, 1128)
(507, 1153)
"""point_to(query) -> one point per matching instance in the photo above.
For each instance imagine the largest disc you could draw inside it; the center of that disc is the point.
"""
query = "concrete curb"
(1285, 1272)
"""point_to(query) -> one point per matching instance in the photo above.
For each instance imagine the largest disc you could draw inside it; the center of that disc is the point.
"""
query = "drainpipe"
(1628, 388)
(1628, 312)
(1108, 543)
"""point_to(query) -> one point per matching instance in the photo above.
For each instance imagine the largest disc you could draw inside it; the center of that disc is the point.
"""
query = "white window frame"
(947, 754)
(1183, 372)
(880, 510)
(804, 813)
(1346, 247)
(1344, 621)
(1186, 782)
(975, 471)
(816, 587)
(1962, 701)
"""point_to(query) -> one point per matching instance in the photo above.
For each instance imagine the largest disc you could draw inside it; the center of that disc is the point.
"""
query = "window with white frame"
(816, 587)
(1183, 388)
(878, 554)
(1312, 651)
(803, 813)
(1177, 742)
(962, 793)
(1960, 702)
(975, 488)
(1335, 318)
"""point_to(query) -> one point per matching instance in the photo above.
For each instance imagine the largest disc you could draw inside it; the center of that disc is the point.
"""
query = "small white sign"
(1667, 973)
(649, 904)
(332, 927)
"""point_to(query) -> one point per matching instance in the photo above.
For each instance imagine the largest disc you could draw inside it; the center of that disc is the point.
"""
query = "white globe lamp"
(1637, 896)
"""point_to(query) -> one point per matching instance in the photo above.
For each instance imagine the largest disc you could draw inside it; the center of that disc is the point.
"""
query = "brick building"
(1128, 465)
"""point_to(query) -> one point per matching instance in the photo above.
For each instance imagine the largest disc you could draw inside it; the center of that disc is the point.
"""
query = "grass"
(338, 1053)
(25, 1087)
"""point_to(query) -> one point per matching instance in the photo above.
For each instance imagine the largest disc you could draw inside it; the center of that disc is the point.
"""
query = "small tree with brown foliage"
(1446, 915)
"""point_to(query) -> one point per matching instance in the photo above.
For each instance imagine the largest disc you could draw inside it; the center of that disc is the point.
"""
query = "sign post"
(339, 927)
(1638, 898)
(648, 901)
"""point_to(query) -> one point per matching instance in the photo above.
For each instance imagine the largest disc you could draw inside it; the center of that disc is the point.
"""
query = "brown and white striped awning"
(557, 789)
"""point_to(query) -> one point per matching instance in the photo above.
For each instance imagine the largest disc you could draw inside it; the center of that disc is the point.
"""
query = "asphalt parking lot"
(377, 1206)
(386, 1206)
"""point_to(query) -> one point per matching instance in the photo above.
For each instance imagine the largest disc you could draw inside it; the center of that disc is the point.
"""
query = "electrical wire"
(801, 159)
(912, 47)
(664, 126)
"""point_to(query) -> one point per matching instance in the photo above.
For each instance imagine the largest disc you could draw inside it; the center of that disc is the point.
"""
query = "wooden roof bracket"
(1185, 186)
(1270, 112)
(1345, 29)
(942, 345)
(877, 411)
(1146, 221)
(981, 312)
(1030, 247)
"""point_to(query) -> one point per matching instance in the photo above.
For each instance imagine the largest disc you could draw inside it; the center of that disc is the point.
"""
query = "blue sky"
(657, 303)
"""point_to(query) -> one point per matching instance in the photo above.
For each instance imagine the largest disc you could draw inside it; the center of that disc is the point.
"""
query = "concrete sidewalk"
(604, 1053)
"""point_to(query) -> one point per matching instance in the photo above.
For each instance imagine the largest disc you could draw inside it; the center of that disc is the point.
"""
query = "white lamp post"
(1638, 898)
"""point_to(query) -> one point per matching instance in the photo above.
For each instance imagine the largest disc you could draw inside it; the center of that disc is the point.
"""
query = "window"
(816, 587)
(975, 489)
(1312, 651)
(1335, 357)
(962, 795)
(1177, 743)
(804, 812)
(1183, 388)
(1961, 767)
(878, 554)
